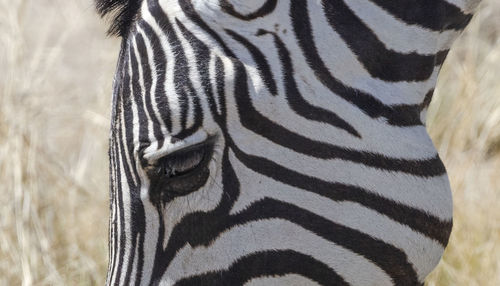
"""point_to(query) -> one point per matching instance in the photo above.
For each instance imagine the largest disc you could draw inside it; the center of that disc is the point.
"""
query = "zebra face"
(278, 142)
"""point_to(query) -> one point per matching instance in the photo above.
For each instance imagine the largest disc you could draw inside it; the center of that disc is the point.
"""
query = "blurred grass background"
(56, 68)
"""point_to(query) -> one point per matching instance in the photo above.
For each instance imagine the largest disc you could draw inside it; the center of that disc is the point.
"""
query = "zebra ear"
(123, 14)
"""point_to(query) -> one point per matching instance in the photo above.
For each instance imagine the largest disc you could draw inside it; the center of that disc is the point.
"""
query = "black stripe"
(220, 84)
(267, 263)
(441, 56)
(197, 114)
(263, 11)
(427, 99)
(160, 264)
(260, 59)
(380, 62)
(410, 113)
(437, 15)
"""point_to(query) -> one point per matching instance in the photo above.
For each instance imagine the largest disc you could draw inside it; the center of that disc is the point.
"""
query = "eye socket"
(182, 163)
(181, 172)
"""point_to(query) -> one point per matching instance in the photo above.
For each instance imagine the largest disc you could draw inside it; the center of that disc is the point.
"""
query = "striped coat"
(276, 142)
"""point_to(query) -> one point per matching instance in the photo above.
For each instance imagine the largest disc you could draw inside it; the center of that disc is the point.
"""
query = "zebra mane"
(123, 14)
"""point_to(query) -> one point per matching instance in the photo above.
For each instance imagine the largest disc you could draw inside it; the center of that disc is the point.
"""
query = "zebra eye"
(182, 163)
(180, 173)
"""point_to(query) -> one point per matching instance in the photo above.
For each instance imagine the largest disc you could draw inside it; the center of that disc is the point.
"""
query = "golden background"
(56, 68)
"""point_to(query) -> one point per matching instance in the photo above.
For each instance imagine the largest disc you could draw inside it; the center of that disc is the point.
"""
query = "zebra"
(276, 142)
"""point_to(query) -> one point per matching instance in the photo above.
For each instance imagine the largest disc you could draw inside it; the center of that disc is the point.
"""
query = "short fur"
(277, 142)
(124, 13)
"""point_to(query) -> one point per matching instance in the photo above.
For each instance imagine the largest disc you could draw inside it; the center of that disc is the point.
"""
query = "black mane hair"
(124, 13)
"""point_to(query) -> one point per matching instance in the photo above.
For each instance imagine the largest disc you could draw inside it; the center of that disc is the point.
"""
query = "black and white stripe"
(277, 142)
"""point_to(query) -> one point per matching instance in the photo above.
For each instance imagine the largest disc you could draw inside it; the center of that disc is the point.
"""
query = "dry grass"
(464, 122)
(56, 71)
(55, 81)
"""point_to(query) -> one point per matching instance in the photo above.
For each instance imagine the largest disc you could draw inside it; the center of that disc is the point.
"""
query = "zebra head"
(277, 142)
